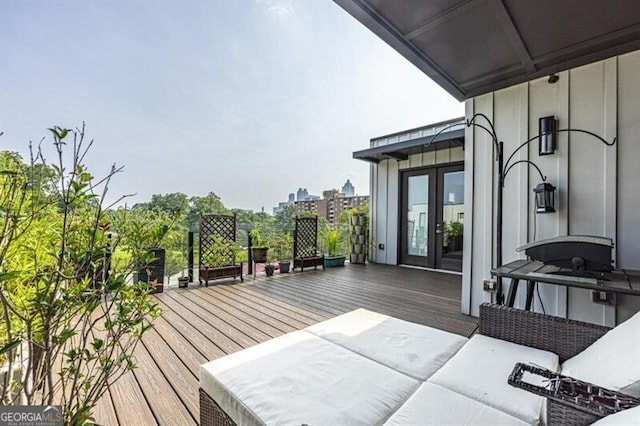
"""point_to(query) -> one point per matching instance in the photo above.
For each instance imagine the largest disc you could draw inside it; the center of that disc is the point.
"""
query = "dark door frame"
(435, 240)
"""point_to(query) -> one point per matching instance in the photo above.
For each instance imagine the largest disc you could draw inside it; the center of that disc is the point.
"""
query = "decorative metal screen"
(217, 240)
(306, 237)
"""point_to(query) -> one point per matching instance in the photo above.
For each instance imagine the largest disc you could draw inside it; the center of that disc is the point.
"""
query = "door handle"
(438, 230)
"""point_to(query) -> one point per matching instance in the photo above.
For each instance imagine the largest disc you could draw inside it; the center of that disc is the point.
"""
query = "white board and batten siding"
(385, 197)
(598, 186)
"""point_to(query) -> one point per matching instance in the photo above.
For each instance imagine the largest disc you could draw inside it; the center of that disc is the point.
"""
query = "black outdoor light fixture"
(547, 135)
(545, 198)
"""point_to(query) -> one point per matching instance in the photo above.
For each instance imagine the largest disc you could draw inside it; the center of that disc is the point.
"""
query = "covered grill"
(584, 255)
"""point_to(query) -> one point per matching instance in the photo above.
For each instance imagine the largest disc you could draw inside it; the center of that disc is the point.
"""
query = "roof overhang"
(402, 150)
(471, 47)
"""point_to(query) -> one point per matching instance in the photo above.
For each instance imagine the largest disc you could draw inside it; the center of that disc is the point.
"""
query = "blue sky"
(247, 99)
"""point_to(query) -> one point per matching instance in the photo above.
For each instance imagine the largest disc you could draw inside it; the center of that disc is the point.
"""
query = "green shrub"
(77, 320)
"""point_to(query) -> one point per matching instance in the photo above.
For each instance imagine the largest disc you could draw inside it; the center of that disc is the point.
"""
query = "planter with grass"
(332, 237)
(259, 250)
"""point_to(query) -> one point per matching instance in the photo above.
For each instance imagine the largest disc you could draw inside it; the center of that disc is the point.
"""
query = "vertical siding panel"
(628, 200)
(373, 212)
(468, 242)
(511, 121)
(381, 211)
(610, 128)
(588, 212)
(628, 242)
(549, 99)
(483, 206)
(415, 160)
(392, 213)
(564, 208)
(443, 156)
(428, 158)
(587, 112)
(457, 154)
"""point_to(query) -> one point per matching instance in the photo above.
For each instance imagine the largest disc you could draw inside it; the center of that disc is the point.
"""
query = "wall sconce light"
(545, 198)
(547, 135)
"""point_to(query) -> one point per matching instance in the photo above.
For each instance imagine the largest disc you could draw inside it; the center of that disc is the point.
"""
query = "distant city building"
(280, 207)
(348, 189)
(332, 193)
(332, 205)
(302, 194)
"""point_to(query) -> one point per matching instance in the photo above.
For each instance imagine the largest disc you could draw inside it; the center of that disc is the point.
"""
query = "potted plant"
(332, 238)
(284, 247)
(183, 282)
(269, 268)
(258, 247)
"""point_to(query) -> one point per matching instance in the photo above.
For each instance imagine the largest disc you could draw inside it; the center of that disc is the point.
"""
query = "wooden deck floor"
(200, 324)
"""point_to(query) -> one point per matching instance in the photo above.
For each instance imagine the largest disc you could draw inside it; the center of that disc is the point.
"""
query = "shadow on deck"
(200, 324)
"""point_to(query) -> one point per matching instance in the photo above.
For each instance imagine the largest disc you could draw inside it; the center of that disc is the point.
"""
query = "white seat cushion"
(300, 378)
(480, 371)
(413, 349)
(622, 418)
(435, 405)
(613, 361)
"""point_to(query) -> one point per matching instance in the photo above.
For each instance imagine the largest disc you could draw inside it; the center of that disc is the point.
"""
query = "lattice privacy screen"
(217, 240)
(306, 243)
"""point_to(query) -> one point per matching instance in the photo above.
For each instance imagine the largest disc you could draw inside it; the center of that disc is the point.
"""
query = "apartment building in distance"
(332, 203)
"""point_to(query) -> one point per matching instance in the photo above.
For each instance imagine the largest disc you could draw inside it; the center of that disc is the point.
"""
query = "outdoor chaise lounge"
(367, 368)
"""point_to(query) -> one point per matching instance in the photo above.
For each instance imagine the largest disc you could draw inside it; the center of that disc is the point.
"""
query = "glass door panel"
(417, 215)
(417, 218)
(450, 226)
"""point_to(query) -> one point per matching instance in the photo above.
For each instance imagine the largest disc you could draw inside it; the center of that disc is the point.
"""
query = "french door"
(432, 217)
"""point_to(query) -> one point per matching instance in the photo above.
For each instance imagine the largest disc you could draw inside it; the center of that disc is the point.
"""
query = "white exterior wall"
(597, 186)
(385, 197)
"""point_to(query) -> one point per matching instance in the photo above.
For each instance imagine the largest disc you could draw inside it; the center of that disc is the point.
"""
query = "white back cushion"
(480, 371)
(613, 361)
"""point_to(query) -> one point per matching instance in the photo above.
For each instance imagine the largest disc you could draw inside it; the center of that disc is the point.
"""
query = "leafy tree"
(210, 204)
(285, 219)
(172, 204)
(71, 323)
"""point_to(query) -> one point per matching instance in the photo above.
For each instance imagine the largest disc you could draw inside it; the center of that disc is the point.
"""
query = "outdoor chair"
(218, 248)
(305, 244)
(337, 371)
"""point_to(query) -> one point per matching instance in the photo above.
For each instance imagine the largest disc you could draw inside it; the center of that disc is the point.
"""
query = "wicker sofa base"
(211, 414)
(209, 274)
(305, 262)
(561, 414)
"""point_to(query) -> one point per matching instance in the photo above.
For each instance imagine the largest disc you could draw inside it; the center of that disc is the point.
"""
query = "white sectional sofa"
(366, 368)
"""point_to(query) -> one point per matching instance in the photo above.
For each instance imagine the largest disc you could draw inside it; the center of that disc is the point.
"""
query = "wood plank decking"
(200, 324)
